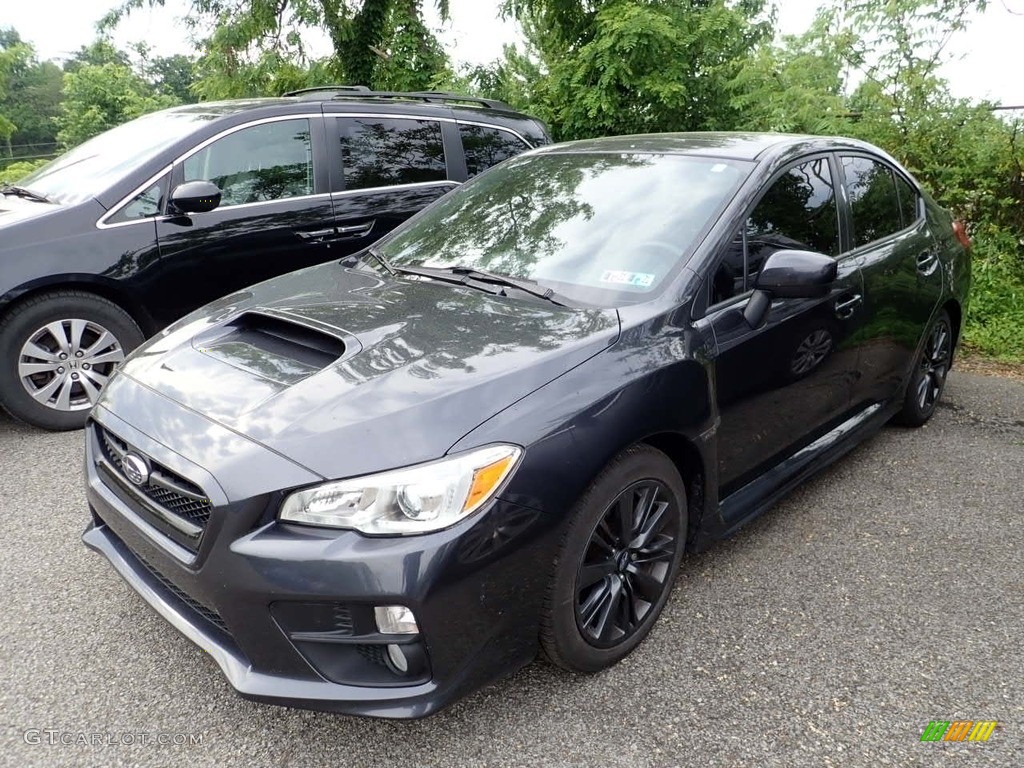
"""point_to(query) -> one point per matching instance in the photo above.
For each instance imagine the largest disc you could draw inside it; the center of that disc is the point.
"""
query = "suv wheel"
(57, 351)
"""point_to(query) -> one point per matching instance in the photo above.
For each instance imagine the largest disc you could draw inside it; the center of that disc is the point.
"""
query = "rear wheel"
(618, 561)
(929, 375)
(57, 351)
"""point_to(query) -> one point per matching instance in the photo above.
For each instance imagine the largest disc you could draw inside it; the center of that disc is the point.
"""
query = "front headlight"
(427, 497)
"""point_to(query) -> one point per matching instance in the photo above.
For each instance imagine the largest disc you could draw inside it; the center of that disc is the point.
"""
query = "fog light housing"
(397, 658)
(395, 620)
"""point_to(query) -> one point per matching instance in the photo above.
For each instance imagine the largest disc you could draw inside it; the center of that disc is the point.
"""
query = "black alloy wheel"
(929, 375)
(618, 561)
(626, 565)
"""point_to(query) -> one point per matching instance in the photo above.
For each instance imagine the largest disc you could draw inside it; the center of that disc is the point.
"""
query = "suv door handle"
(845, 309)
(319, 235)
(356, 230)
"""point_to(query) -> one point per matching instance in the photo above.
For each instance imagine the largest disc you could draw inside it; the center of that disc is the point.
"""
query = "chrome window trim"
(410, 185)
(498, 128)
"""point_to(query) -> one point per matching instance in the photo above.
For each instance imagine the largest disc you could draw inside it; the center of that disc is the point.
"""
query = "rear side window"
(384, 152)
(486, 146)
(874, 204)
(908, 201)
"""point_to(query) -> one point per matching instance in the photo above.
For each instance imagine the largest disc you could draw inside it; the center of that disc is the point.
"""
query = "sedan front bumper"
(287, 611)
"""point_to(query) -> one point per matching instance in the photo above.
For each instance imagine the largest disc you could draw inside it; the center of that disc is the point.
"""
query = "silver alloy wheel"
(812, 350)
(65, 364)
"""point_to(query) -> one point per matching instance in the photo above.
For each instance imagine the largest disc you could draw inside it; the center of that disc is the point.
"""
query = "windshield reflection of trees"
(506, 223)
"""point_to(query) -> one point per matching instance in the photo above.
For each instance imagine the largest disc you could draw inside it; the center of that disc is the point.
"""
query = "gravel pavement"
(881, 595)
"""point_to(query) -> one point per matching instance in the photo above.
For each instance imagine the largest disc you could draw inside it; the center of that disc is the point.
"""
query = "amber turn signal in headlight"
(419, 499)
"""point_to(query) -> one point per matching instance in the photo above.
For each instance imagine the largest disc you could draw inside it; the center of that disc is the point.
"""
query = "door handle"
(845, 309)
(356, 230)
(318, 235)
(925, 261)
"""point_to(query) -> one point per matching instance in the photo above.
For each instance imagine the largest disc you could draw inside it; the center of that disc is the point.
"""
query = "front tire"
(928, 378)
(57, 351)
(617, 563)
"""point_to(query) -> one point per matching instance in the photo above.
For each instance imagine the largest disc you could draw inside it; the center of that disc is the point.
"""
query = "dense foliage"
(865, 68)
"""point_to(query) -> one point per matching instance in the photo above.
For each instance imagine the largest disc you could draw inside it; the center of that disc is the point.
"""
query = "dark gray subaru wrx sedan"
(373, 486)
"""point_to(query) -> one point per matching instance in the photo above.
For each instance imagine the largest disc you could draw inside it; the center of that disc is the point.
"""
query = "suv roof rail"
(362, 92)
(327, 88)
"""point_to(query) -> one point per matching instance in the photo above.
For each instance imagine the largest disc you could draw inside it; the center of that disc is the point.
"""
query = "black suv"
(146, 222)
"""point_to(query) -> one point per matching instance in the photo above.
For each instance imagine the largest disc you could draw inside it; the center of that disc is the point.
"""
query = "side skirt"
(759, 495)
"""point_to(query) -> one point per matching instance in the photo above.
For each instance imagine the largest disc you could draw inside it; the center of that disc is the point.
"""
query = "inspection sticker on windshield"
(638, 279)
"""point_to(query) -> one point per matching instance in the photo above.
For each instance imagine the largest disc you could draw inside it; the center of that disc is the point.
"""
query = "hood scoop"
(275, 347)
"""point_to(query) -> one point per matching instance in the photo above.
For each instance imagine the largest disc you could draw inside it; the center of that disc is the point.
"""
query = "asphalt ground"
(881, 595)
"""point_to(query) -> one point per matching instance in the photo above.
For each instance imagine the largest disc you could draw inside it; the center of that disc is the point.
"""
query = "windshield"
(600, 229)
(93, 167)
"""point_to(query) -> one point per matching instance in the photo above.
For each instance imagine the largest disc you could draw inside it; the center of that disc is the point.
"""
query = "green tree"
(256, 47)
(596, 67)
(99, 96)
(29, 97)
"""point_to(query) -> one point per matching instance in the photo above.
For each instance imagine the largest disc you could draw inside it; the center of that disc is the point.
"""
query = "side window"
(874, 204)
(383, 152)
(270, 161)
(908, 201)
(486, 146)
(797, 212)
(147, 203)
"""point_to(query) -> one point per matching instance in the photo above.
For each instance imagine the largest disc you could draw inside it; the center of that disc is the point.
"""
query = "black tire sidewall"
(28, 318)
(912, 415)
(561, 639)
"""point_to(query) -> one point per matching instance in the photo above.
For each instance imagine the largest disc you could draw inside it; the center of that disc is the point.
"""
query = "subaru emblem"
(135, 469)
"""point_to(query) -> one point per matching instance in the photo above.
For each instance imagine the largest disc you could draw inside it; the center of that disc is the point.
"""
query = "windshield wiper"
(28, 194)
(380, 258)
(445, 276)
(526, 286)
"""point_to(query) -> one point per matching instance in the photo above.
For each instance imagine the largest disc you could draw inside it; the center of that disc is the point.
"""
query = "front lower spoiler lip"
(410, 702)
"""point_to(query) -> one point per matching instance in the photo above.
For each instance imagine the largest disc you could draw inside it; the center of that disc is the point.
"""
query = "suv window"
(485, 146)
(270, 161)
(384, 152)
(147, 203)
(798, 211)
(874, 204)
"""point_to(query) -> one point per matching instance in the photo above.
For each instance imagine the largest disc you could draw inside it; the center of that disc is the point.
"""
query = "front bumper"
(475, 590)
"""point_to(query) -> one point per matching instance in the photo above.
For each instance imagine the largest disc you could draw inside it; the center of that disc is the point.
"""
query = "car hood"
(14, 210)
(346, 371)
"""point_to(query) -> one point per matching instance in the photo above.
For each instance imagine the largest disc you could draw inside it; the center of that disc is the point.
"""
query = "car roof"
(726, 144)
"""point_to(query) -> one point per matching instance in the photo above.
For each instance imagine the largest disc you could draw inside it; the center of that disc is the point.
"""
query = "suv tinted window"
(383, 152)
(873, 202)
(485, 146)
(798, 211)
(269, 161)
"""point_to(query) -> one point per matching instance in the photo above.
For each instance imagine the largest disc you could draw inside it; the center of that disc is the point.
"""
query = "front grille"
(166, 489)
(207, 613)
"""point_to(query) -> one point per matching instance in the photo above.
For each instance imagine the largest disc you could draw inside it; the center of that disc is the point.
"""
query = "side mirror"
(790, 275)
(195, 197)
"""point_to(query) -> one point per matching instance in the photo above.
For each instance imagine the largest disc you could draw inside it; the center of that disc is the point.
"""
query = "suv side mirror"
(790, 275)
(195, 197)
